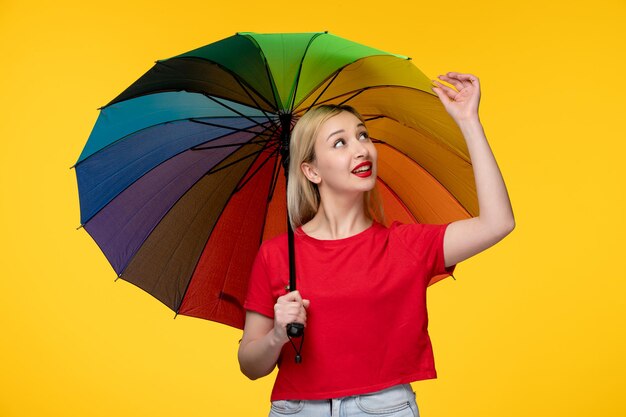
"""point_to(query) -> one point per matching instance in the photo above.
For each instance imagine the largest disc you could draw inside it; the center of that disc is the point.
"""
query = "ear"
(310, 172)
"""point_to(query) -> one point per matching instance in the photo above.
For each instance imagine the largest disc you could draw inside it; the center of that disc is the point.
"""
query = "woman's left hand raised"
(462, 104)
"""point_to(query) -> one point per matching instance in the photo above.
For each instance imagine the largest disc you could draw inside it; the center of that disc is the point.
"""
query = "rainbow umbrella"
(182, 177)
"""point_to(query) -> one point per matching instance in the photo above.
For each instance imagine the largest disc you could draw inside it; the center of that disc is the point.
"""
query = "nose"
(360, 150)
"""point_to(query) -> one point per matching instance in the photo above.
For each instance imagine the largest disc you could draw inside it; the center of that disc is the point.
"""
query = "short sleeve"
(259, 297)
(426, 241)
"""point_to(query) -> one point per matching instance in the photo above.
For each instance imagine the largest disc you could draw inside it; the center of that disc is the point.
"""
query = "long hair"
(303, 197)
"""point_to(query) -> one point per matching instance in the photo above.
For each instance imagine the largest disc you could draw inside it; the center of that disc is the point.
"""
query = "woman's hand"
(263, 338)
(467, 237)
(290, 308)
(462, 105)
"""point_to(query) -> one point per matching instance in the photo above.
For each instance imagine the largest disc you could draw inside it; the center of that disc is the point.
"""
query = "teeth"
(362, 169)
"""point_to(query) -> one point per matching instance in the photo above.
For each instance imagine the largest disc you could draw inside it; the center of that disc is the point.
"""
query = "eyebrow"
(342, 131)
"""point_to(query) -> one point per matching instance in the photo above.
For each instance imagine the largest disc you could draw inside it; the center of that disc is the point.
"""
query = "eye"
(339, 143)
(364, 135)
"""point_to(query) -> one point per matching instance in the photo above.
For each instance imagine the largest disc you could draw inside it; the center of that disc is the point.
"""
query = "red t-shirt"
(367, 325)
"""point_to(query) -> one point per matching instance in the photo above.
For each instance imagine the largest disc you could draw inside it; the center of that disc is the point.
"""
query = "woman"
(362, 286)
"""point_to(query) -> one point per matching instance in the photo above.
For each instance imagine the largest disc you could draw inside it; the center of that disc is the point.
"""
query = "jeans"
(397, 401)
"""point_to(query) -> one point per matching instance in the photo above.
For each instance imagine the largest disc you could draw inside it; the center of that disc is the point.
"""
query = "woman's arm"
(466, 238)
(263, 337)
(260, 347)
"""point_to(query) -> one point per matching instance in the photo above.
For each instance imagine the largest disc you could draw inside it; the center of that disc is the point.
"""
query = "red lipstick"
(364, 173)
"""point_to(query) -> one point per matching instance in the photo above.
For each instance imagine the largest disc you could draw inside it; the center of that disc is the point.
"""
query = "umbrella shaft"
(285, 136)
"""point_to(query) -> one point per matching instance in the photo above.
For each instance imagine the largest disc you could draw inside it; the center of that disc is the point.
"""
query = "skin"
(339, 147)
(466, 238)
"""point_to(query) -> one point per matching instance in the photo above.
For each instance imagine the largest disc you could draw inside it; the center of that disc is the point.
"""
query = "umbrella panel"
(123, 224)
(198, 76)
(366, 73)
(106, 174)
(165, 262)
(424, 196)
(218, 285)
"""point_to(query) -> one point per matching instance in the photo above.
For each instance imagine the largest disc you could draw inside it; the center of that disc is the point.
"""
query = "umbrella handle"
(295, 329)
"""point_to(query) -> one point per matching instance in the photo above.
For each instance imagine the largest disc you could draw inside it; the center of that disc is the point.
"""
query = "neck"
(338, 218)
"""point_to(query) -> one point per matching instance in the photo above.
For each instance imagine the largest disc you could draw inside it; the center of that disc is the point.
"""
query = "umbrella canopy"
(182, 177)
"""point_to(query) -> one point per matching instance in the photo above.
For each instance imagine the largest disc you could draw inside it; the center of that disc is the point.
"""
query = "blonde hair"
(303, 197)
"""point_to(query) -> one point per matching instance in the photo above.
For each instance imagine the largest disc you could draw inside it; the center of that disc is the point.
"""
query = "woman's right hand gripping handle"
(263, 338)
(290, 308)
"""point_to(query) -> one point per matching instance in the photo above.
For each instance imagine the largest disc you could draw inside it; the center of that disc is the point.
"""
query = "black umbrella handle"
(293, 329)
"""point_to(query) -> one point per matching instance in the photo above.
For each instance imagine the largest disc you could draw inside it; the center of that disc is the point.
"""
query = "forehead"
(342, 121)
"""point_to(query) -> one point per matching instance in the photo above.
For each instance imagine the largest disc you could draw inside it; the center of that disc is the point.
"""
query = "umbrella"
(182, 176)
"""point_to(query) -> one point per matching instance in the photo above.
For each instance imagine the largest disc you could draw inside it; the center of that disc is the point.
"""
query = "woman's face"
(345, 157)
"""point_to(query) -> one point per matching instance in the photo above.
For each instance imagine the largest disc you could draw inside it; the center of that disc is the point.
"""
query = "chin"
(370, 185)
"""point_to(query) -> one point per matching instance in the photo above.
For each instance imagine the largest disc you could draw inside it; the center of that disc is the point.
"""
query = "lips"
(363, 170)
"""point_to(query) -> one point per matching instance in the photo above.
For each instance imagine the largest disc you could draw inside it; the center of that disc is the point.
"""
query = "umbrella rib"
(297, 80)
(239, 187)
(171, 255)
(213, 171)
(236, 129)
(440, 143)
(137, 179)
(274, 180)
(356, 93)
(271, 155)
(349, 98)
(252, 98)
(323, 91)
(361, 90)
(321, 83)
(353, 96)
(398, 199)
(209, 238)
(236, 77)
(130, 259)
(233, 110)
(228, 71)
(196, 148)
(429, 173)
(269, 198)
(164, 63)
(380, 116)
(270, 77)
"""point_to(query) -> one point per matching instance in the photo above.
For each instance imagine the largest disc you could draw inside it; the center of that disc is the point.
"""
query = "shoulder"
(274, 243)
(398, 228)
(415, 232)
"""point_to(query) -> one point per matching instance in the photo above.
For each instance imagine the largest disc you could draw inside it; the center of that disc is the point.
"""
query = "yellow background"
(532, 327)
